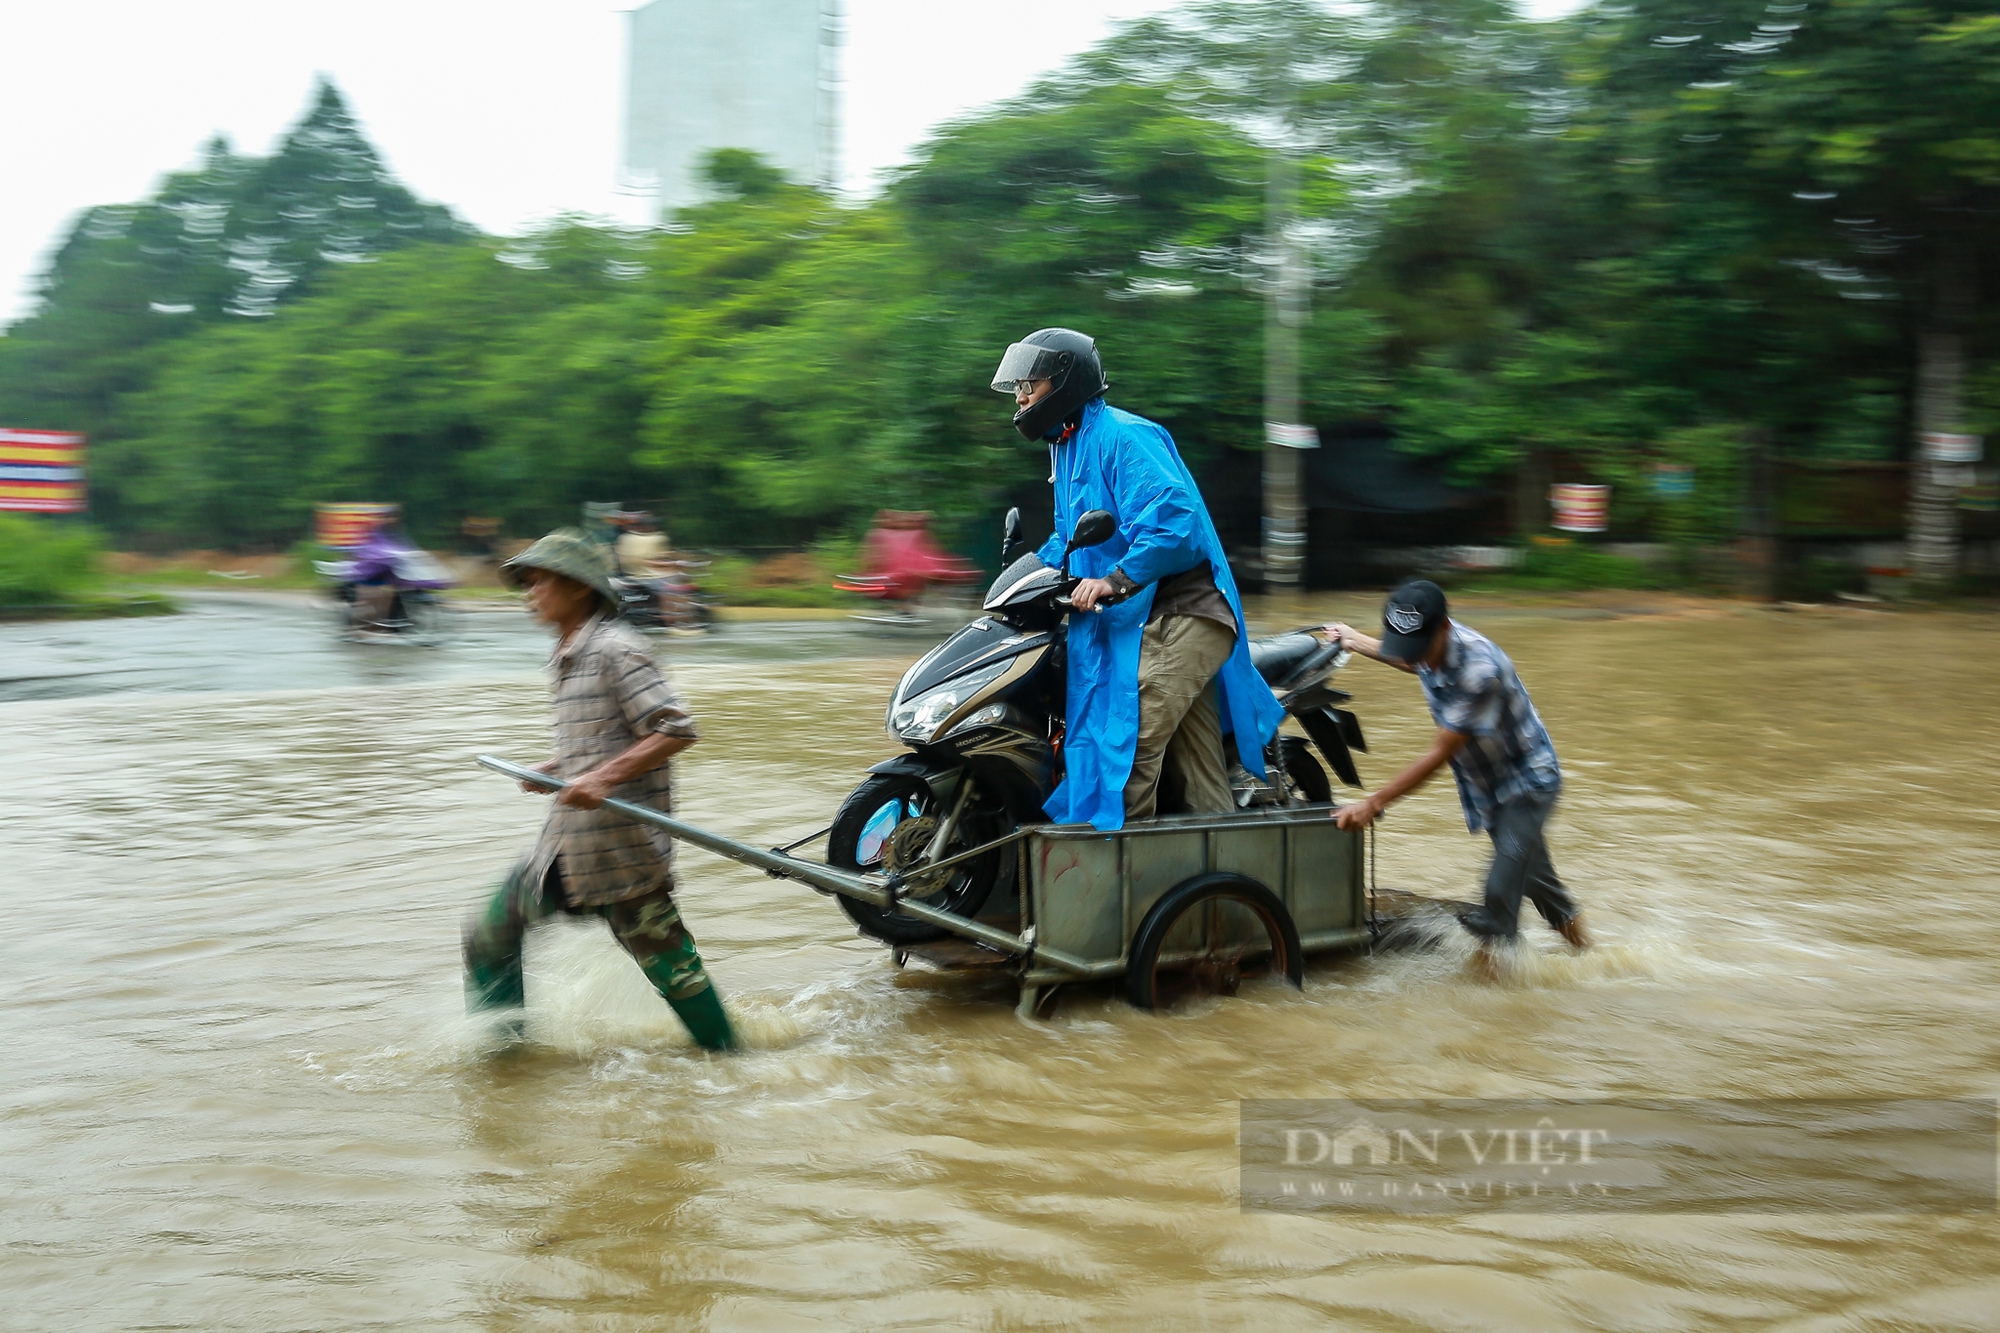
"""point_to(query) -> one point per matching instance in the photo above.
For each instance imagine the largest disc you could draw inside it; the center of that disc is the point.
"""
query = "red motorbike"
(902, 562)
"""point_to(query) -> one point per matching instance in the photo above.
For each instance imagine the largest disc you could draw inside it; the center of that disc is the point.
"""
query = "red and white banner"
(1580, 508)
(41, 471)
(345, 526)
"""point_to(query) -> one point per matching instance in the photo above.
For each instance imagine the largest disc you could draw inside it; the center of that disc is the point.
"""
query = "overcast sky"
(506, 110)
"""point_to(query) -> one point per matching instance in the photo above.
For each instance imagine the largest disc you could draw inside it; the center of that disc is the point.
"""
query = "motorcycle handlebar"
(1062, 600)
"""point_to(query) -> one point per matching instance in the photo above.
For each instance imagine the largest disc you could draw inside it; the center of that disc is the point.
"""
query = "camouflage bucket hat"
(571, 554)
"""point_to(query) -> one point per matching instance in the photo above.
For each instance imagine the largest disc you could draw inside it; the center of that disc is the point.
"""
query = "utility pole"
(1938, 464)
(1287, 296)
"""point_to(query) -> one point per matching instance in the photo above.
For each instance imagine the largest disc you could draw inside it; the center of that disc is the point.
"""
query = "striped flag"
(346, 526)
(41, 471)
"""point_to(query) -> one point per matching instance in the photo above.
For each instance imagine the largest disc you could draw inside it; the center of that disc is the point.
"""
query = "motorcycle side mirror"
(1092, 529)
(1010, 538)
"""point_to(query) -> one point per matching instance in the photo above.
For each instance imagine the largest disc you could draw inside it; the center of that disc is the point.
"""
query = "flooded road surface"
(248, 641)
(238, 1092)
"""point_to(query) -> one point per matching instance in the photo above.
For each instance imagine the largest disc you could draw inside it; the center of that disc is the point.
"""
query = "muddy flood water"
(237, 1091)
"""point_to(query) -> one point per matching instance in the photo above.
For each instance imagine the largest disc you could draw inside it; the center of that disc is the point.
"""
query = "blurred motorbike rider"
(1160, 675)
(373, 571)
(641, 547)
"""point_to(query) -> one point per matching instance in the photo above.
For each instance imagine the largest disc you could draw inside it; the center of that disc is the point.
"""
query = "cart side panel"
(1258, 852)
(1325, 888)
(1077, 897)
(1158, 859)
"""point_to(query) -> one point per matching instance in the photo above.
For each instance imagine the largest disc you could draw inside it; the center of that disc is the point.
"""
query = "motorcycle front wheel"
(888, 823)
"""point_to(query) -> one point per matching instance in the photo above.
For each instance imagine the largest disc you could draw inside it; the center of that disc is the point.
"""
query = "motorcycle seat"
(1283, 656)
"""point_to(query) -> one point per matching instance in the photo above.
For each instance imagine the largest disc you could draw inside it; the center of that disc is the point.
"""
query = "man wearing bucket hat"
(618, 722)
(1499, 752)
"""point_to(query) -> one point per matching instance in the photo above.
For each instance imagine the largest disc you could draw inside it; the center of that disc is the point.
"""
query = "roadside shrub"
(1572, 565)
(1818, 579)
(794, 580)
(43, 562)
(1556, 564)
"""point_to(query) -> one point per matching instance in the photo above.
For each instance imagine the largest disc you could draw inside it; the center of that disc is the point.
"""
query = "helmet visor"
(1025, 361)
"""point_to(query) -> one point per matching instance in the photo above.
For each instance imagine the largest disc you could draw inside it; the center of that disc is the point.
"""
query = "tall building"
(708, 74)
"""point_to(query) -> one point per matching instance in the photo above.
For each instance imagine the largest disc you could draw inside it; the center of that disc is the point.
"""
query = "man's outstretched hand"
(1359, 814)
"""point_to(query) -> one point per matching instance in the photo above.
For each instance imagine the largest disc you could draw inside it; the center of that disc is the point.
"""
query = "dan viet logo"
(1681, 1155)
(1539, 1145)
(1408, 1165)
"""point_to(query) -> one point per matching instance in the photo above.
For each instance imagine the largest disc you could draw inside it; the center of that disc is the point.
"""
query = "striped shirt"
(1476, 692)
(608, 695)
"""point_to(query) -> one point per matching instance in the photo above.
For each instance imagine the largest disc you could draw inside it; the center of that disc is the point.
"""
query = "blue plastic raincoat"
(1129, 466)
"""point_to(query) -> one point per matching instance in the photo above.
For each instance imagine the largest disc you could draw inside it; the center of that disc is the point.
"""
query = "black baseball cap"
(1411, 619)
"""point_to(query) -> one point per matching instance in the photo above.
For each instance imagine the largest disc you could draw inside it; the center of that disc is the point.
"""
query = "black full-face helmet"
(1068, 360)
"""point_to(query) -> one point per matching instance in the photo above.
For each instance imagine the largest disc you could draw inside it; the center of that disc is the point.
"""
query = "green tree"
(232, 239)
(403, 380)
(1117, 209)
(1870, 131)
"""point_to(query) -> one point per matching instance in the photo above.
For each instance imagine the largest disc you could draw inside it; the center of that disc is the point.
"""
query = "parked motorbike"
(982, 715)
(413, 609)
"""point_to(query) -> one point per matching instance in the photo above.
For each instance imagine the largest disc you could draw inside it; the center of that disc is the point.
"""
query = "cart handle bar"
(864, 887)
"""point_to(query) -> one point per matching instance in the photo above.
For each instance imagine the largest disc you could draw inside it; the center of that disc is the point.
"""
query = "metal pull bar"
(866, 888)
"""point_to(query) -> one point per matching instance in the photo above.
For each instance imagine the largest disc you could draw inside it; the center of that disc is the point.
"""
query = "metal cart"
(1185, 902)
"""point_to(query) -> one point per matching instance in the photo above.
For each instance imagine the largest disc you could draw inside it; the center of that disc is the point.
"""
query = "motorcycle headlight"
(919, 718)
(979, 717)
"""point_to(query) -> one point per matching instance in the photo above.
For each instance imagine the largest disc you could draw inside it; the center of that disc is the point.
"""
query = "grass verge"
(92, 606)
(1555, 565)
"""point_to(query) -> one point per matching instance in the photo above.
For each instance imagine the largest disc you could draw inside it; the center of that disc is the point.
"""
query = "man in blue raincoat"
(1160, 678)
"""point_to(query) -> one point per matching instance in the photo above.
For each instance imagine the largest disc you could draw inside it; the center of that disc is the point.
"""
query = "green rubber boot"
(493, 956)
(706, 1020)
(652, 932)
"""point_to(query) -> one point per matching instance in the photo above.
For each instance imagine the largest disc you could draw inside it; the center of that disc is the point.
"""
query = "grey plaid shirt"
(608, 695)
(1476, 692)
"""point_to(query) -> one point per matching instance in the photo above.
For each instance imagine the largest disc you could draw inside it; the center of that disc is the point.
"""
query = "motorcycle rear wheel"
(862, 838)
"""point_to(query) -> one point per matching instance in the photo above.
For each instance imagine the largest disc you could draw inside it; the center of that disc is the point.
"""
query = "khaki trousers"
(1179, 727)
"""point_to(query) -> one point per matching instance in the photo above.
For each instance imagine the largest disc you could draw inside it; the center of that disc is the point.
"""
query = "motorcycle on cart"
(946, 855)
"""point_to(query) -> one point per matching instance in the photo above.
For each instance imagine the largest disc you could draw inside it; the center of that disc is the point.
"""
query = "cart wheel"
(1208, 934)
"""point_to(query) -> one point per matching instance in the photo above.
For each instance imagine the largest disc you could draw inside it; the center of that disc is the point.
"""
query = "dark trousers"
(1520, 866)
(649, 928)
